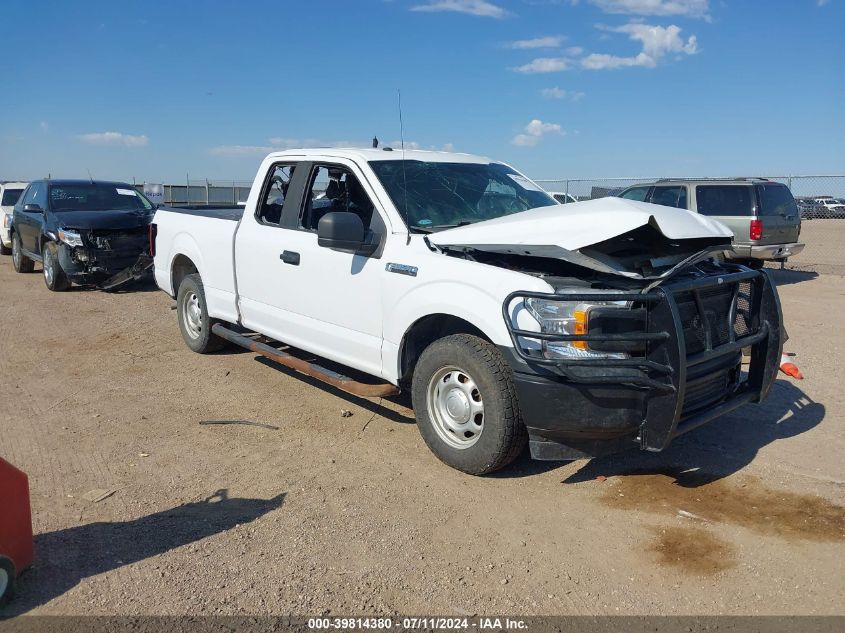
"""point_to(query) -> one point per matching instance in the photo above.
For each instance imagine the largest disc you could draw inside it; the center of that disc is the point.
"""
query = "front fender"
(481, 306)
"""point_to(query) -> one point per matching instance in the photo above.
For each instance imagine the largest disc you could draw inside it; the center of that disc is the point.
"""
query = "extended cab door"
(322, 300)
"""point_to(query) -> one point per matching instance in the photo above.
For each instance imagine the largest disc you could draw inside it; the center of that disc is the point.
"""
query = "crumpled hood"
(576, 225)
(603, 235)
(93, 220)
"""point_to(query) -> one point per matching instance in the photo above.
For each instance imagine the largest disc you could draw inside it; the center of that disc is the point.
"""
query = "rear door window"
(635, 193)
(776, 199)
(670, 196)
(724, 200)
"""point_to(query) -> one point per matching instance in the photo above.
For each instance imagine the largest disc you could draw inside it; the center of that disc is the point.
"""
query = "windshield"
(432, 195)
(96, 197)
(10, 197)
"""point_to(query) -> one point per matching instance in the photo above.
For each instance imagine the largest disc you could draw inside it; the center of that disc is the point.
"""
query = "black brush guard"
(663, 368)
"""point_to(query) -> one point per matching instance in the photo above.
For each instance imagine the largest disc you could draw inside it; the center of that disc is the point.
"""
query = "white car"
(831, 204)
(9, 194)
(511, 320)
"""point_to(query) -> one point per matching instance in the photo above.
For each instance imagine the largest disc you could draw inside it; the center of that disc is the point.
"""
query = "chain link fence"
(820, 198)
(203, 192)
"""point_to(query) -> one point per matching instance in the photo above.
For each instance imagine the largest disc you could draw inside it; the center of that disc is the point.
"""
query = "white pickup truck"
(580, 329)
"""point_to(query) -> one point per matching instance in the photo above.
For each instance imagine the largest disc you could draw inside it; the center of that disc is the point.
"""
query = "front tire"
(54, 276)
(194, 322)
(21, 262)
(5, 250)
(466, 406)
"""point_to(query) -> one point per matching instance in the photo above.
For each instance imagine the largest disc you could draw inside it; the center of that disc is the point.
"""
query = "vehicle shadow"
(130, 287)
(721, 448)
(65, 557)
(785, 277)
(372, 405)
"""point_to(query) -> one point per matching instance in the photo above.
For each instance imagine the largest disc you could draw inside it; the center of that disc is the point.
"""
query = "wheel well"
(182, 267)
(424, 332)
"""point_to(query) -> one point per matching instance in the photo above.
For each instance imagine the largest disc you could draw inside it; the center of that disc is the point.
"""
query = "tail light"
(755, 230)
(153, 233)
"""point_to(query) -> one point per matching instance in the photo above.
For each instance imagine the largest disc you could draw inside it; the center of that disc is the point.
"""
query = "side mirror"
(344, 231)
(33, 208)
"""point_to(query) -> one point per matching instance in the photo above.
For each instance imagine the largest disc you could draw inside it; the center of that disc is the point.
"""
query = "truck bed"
(205, 236)
(208, 211)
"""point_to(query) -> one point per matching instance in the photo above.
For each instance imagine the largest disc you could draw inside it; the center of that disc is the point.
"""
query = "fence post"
(206, 192)
(566, 190)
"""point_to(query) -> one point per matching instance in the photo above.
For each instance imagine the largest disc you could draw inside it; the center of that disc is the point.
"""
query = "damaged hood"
(576, 225)
(576, 233)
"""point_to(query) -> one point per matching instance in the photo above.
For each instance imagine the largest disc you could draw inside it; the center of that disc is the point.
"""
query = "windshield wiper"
(454, 226)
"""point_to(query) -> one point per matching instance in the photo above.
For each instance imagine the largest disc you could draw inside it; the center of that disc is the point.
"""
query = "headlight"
(568, 317)
(71, 238)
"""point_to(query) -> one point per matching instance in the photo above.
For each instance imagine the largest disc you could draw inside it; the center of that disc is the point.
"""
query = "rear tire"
(466, 406)
(54, 276)
(21, 262)
(194, 322)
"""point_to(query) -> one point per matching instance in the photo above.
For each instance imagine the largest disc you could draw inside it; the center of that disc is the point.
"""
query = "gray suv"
(761, 213)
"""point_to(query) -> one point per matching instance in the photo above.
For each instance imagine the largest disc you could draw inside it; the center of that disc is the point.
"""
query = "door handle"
(289, 257)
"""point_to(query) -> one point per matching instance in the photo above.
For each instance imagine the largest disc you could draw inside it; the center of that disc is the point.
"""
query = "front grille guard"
(662, 370)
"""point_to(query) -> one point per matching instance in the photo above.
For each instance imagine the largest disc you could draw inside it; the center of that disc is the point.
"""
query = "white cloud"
(574, 50)
(557, 93)
(688, 8)
(44, 126)
(534, 132)
(545, 65)
(656, 41)
(550, 41)
(114, 138)
(472, 7)
(821, 3)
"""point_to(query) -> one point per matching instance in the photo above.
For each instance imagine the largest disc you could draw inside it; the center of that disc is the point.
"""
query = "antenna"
(404, 176)
(90, 177)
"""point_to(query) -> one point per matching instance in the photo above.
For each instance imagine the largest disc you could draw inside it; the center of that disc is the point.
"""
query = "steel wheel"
(4, 581)
(456, 407)
(192, 315)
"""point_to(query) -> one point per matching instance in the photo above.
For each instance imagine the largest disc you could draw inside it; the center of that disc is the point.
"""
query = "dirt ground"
(353, 515)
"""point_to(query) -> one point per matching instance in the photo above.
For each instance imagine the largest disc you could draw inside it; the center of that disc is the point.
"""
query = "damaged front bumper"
(106, 269)
(685, 372)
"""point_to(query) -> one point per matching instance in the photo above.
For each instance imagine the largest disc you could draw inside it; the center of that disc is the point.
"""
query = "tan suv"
(761, 213)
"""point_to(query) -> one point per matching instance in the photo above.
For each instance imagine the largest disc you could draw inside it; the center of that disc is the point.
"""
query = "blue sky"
(567, 88)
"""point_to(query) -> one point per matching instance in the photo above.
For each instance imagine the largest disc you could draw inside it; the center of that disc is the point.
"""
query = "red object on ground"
(790, 368)
(15, 527)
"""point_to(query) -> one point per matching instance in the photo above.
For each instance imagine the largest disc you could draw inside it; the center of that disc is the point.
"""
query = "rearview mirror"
(344, 231)
(33, 208)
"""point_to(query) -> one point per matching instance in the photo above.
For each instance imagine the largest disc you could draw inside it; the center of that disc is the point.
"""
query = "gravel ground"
(353, 515)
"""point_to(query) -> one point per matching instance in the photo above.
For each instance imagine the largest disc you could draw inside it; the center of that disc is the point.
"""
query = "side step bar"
(345, 383)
